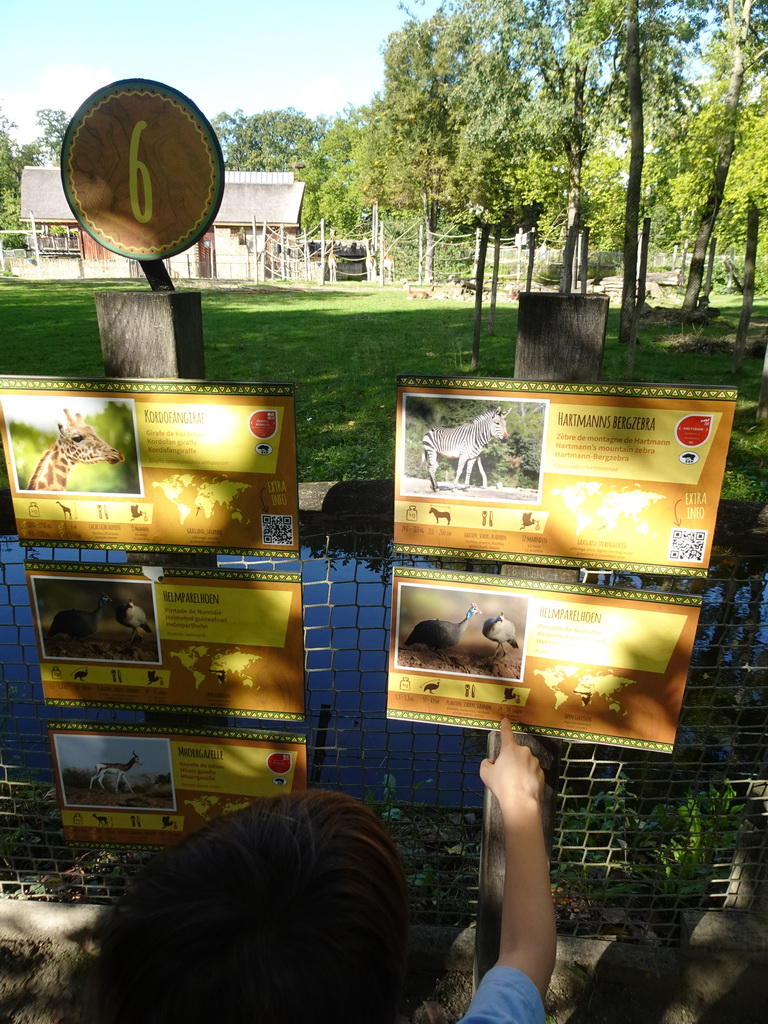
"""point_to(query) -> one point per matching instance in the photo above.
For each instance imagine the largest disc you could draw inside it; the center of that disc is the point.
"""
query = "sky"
(251, 54)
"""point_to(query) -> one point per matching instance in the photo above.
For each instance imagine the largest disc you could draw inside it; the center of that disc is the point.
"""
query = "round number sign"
(142, 169)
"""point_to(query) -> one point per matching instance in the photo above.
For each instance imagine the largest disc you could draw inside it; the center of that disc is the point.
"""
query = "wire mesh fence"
(640, 837)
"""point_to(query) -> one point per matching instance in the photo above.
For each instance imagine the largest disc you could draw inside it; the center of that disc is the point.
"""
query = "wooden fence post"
(495, 280)
(560, 337)
(482, 249)
(151, 334)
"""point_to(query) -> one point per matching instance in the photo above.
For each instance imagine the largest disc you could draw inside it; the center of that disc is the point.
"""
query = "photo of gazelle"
(109, 770)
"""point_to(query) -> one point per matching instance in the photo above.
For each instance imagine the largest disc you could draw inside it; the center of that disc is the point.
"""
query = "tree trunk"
(494, 280)
(479, 278)
(634, 181)
(575, 153)
(753, 219)
(429, 207)
(738, 33)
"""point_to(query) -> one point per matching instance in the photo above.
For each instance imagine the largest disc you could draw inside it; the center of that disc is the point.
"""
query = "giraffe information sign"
(143, 786)
(605, 476)
(193, 640)
(164, 465)
(577, 662)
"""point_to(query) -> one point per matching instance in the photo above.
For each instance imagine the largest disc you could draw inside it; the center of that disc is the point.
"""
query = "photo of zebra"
(472, 448)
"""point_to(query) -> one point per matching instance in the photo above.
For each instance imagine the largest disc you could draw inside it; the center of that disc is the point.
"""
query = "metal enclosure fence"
(640, 837)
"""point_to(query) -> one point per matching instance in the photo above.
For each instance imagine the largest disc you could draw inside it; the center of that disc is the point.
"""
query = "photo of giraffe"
(72, 445)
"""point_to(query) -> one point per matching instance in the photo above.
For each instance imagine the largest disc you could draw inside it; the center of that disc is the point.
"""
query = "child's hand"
(515, 778)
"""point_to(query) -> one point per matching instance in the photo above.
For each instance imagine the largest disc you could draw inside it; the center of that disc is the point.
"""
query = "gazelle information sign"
(143, 786)
(152, 465)
(605, 476)
(578, 662)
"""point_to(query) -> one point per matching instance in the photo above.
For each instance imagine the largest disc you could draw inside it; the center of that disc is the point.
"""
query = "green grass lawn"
(343, 347)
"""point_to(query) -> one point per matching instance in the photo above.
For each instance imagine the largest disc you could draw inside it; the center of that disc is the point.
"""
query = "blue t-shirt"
(505, 996)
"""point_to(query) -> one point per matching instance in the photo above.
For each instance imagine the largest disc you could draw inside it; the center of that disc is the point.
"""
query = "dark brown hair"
(293, 911)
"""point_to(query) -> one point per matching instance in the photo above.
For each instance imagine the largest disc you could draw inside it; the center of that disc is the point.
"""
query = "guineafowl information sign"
(187, 640)
(565, 660)
(146, 787)
(605, 476)
(153, 465)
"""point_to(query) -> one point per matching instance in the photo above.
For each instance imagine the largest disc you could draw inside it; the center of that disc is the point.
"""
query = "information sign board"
(573, 661)
(606, 476)
(142, 169)
(152, 465)
(227, 641)
(147, 787)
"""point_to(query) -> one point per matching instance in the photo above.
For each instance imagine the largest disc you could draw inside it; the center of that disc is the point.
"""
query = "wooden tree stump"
(151, 334)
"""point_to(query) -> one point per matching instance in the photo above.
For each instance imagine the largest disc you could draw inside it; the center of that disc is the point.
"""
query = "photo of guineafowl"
(439, 633)
(502, 631)
(76, 621)
(134, 618)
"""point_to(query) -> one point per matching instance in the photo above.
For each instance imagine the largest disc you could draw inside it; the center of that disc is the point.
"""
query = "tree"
(13, 159)
(739, 42)
(333, 174)
(54, 124)
(271, 141)
(412, 142)
(629, 296)
(549, 68)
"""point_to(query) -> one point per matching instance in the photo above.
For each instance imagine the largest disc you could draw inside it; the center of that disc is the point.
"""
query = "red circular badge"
(263, 423)
(279, 763)
(692, 431)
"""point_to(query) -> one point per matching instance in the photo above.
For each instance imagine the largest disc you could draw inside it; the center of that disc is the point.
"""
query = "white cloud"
(64, 87)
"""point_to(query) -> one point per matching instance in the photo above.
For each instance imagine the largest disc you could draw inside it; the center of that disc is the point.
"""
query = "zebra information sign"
(152, 465)
(143, 787)
(605, 476)
(565, 660)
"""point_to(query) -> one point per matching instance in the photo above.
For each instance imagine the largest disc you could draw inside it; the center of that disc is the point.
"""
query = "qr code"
(277, 530)
(687, 545)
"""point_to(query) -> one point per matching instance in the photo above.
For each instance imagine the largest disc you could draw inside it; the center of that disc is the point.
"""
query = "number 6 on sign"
(146, 146)
(138, 167)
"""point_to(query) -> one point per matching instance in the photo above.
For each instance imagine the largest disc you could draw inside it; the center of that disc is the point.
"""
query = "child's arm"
(528, 939)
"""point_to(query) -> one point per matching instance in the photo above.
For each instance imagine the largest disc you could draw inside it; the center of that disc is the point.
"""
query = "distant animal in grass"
(440, 633)
(77, 622)
(418, 293)
(502, 631)
(133, 617)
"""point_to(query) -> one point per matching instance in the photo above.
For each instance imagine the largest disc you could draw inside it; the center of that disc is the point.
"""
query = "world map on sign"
(232, 665)
(596, 507)
(196, 497)
(209, 806)
(566, 680)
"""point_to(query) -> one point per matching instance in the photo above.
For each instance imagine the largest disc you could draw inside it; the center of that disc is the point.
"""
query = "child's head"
(293, 911)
